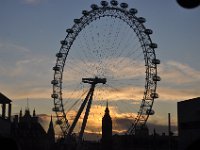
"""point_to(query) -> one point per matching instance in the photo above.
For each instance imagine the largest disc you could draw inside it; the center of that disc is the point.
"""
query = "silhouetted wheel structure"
(107, 55)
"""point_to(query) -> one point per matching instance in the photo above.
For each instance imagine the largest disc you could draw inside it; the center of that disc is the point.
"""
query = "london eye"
(107, 55)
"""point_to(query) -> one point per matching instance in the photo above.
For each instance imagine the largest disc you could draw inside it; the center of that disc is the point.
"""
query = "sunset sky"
(30, 34)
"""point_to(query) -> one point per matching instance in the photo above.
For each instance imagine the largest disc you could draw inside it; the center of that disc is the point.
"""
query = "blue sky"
(30, 34)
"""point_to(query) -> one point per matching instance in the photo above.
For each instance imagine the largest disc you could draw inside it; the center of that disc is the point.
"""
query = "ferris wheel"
(106, 56)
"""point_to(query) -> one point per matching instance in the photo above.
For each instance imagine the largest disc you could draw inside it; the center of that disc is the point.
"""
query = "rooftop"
(190, 100)
(4, 99)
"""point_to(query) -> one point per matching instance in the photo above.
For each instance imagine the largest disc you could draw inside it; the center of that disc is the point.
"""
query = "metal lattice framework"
(148, 47)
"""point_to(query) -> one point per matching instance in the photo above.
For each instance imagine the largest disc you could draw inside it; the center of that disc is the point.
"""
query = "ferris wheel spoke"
(76, 93)
(125, 83)
(124, 57)
(128, 55)
(89, 48)
(77, 66)
(132, 62)
(109, 36)
(115, 37)
(126, 46)
(121, 36)
(83, 58)
(76, 103)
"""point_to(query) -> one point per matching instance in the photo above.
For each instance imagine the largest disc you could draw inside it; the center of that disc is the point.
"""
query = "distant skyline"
(30, 34)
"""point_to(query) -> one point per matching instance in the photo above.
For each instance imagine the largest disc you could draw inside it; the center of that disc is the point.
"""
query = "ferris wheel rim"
(143, 34)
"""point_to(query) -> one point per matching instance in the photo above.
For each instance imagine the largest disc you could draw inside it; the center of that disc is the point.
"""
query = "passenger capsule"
(54, 95)
(141, 20)
(54, 82)
(77, 21)
(153, 45)
(154, 95)
(85, 12)
(156, 61)
(94, 6)
(114, 3)
(69, 31)
(63, 42)
(56, 68)
(104, 3)
(150, 112)
(59, 122)
(156, 78)
(59, 55)
(133, 11)
(148, 31)
(124, 5)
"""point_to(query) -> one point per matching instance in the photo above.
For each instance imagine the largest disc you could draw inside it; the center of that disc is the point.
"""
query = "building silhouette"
(106, 130)
(25, 132)
(29, 134)
(142, 140)
(189, 124)
(5, 116)
(6, 141)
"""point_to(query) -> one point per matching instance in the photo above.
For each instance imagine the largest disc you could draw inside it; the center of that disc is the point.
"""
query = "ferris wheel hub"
(95, 80)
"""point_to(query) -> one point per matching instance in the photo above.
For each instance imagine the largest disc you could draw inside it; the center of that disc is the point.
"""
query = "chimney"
(169, 124)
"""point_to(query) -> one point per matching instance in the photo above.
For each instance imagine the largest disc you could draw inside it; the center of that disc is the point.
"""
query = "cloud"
(109, 67)
(6, 47)
(10, 55)
(33, 2)
(121, 121)
(121, 124)
(127, 93)
(44, 120)
(177, 94)
(179, 81)
(31, 74)
(91, 136)
(28, 77)
(178, 73)
(93, 122)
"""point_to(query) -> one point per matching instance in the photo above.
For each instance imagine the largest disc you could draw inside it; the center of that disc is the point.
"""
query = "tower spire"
(27, 104)
(107, 129)
(34, 114)
(20, 113)
(107, 104)
(51, 132)
(107, 109)
(51, 120)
